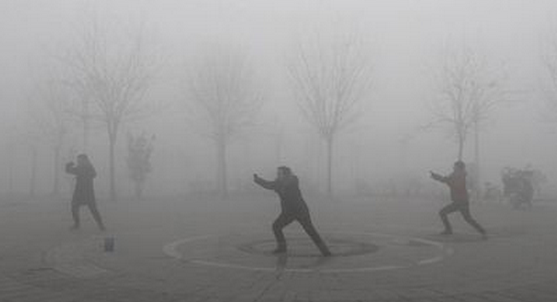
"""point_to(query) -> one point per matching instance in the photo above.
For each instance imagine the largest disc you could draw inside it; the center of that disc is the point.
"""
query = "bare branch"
(549, 88)
(221, 88)
(330, 81)
(468, 89)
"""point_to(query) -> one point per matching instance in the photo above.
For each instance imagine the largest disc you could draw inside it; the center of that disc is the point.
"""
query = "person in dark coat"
(84, 194)
(293, 208)
(459, 196)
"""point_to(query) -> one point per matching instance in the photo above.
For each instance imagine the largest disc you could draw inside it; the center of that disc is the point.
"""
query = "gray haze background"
(406, 37)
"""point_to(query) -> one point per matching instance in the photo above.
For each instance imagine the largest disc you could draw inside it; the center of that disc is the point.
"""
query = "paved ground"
(205, 251)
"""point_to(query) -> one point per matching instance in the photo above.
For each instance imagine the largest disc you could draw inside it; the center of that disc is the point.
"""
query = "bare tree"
(549, 87)
(222, 90)
(140, 149)
(11, 142)
(50, 119)
(276, 131)
(468, 90)
(112, 69)
(25, 137)
(331, 78)
(30, 140)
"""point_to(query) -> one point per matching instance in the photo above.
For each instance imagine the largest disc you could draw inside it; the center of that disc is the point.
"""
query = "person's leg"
(96, 215)
(282, 221)
(75, 215)
(305, 221)
(450, 208)
(465, 211)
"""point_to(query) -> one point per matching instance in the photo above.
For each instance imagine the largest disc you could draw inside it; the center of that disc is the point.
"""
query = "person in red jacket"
(83, 194)
(459, 196)
(293, 208)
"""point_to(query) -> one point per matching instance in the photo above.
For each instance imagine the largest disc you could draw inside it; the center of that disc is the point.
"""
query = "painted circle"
(341, 248)
(301, 247)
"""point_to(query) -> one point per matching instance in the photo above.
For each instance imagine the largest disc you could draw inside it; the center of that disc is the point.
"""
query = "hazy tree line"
(102, 76)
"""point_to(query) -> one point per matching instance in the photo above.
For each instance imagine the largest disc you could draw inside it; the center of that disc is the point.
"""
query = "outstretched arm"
(269, 185)
(438, 177)
(70, 168)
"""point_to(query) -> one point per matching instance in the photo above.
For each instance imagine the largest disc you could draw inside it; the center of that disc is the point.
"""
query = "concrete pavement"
(189, 251)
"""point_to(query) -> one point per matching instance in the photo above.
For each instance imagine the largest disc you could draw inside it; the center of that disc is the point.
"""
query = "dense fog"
(391, 60)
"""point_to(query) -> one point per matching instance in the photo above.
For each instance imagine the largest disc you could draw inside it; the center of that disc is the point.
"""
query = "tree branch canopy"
(468, 89)
(111, 71)
(549, 61)
(331, 78)
(222, 88)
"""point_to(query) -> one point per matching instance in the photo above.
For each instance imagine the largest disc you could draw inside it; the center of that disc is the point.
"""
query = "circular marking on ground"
(352, 252)
(306, 248)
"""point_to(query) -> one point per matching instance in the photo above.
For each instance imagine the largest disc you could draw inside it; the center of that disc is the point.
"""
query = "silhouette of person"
(293, 208)
(459, 196)
(84, 194)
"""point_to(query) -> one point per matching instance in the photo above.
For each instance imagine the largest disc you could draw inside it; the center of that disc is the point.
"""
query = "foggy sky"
(407, 38)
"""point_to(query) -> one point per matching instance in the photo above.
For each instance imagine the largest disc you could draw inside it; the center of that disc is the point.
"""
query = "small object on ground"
(109, 244)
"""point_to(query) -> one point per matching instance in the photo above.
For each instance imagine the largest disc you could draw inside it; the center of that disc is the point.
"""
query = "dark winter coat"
(84, 191)
(291, 200)
(457, 184)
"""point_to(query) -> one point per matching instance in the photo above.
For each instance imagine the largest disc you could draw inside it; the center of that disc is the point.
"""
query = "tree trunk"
(460, 147)
(111, 146)
(56, 183)
(221, 169)
(278, 148)
(11, 161)
(329, 142)
(139, 190)
(33, 171)
(85, 117)
(477, 176)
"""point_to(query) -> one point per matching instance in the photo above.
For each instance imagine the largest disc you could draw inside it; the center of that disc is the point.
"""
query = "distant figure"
(518, 187)
(459, 196)
(293, 208)
(84, 194)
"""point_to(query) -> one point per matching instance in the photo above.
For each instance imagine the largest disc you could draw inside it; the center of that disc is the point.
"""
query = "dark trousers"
(304, 219)
(464, 209)
(92, 208)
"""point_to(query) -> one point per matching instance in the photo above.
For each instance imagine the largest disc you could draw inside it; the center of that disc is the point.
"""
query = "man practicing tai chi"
(84, 194)
(293, 207)
(459, 196)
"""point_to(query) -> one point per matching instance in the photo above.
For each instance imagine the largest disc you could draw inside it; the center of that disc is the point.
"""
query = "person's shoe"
(324, 250)
(446, 233)
(102, 228)
(74, 227)
(327, 254)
